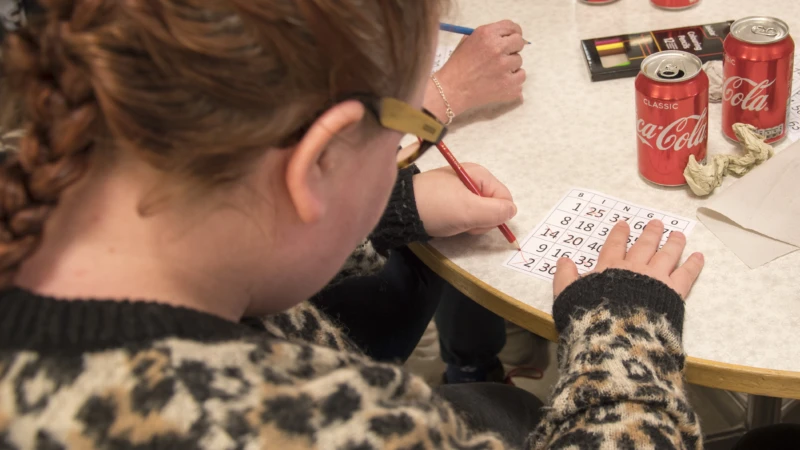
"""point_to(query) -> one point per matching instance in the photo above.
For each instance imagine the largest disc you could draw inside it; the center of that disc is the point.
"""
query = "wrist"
(448, 110)
(624, 292)
(433, 102)
(450, 91)
(400, 224)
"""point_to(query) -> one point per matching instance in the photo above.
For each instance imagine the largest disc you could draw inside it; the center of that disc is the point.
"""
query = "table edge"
(704, 372)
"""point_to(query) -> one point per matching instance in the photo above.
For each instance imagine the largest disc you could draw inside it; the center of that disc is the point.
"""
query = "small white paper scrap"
(443, 53)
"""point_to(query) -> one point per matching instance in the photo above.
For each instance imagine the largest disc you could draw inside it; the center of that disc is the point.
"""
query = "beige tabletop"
(742, 328)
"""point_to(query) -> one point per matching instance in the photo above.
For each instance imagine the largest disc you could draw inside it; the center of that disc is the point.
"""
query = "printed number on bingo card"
(577, 228)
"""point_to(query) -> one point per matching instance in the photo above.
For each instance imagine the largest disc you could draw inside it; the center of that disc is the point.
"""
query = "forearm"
(620, 363)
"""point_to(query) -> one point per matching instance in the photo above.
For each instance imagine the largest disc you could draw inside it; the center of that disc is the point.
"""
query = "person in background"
(485, 69)
(161, 233)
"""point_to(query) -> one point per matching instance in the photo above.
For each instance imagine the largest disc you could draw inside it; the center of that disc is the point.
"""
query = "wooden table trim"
(732, 377)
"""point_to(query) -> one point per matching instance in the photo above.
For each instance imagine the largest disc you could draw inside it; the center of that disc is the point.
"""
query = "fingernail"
(657, 222)
(701, 257)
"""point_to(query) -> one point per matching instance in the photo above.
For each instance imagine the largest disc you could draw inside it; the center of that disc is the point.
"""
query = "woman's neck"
(97, 245)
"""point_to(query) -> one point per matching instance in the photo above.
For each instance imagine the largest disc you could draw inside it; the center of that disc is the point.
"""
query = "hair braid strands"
(61, 117)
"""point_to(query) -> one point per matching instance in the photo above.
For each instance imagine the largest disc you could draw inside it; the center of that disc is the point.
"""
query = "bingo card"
(577, 227)
(443, 53)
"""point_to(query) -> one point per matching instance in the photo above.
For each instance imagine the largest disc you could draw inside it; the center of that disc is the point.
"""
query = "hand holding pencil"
(458, 29)
(486, 67)
(448, 206)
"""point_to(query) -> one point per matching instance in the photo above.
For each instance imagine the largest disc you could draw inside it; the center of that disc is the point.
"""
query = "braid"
(61, 116)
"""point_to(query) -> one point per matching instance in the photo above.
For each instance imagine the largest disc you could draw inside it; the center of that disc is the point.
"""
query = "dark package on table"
(621, 56)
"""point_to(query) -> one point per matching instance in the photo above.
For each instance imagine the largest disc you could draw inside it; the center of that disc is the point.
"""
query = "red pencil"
(464, 177)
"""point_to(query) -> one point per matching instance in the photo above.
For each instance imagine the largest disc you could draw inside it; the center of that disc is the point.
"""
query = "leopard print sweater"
(103, 374)
(620, 361)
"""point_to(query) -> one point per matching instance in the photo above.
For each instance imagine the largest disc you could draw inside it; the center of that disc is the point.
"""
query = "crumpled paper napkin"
(703, 179)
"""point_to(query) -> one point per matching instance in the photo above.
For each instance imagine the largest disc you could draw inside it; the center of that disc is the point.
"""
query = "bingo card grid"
(577, 228)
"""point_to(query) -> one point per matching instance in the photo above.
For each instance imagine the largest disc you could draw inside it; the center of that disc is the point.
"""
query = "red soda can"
(757, 74)
(671, 115)
(674, 4)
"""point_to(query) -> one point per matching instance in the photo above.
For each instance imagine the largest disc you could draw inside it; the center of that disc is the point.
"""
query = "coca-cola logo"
(755, 99)
(675, 136)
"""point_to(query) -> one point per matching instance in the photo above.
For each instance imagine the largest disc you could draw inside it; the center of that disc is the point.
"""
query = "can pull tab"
(670, 70)
(764, 31)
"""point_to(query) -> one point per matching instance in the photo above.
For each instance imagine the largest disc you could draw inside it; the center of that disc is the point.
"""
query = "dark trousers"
(386, 314)
(508, 411)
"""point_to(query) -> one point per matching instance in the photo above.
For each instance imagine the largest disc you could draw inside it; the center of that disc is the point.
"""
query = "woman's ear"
(308, 182)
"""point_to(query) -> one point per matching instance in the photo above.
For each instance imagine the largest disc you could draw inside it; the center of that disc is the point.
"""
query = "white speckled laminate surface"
(572, 132)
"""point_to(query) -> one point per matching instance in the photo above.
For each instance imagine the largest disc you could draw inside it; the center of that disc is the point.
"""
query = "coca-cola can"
(757, 74)
(671, 115)
(674, 4)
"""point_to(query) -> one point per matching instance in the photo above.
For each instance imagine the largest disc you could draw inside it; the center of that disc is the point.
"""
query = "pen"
(458, 29)
(464, 177)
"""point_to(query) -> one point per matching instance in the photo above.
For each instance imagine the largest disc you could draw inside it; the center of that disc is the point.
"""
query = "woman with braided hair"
(193, 170)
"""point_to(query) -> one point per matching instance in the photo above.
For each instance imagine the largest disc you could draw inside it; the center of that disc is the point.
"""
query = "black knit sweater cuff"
(400, 224)
(624, 291)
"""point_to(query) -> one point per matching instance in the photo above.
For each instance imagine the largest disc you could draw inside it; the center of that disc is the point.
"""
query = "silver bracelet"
(449, 111)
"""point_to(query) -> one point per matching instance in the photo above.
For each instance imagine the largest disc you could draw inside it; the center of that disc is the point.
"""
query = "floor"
(718, 411)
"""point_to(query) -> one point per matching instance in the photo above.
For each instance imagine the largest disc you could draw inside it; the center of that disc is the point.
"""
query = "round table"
(742, 325)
